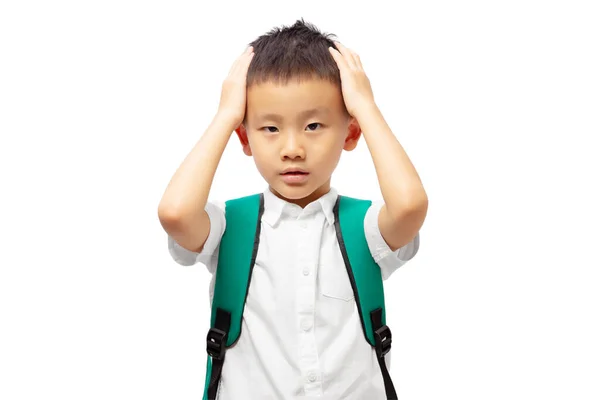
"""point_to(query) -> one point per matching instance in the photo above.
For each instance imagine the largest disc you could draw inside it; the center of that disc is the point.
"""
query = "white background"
(496, 103)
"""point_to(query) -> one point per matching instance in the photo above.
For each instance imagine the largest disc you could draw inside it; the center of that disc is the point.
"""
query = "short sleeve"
(388, 260)
(210, 252)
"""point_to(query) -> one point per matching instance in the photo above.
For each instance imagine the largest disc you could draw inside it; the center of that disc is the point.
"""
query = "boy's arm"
(209, 254)
(405, 199)
(388, 259)
(406, 202)
(182, 208)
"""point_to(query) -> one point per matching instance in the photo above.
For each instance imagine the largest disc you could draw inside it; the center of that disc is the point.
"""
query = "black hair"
(299, 51)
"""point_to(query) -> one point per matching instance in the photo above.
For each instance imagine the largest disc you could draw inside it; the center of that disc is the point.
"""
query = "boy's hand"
(356, 87)
(233, 93)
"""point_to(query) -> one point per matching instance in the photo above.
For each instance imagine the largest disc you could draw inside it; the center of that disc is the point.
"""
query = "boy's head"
(292, 73)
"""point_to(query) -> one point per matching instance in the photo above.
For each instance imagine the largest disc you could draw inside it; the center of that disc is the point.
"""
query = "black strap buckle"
(383, 341)
(215, 343)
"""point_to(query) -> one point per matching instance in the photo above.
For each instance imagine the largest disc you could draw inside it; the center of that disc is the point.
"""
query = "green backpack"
(237, 254)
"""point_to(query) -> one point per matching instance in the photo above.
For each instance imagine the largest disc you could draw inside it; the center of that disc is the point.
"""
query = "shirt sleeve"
(210, 252)
(388, 260)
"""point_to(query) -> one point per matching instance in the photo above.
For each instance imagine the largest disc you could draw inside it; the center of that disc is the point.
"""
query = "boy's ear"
(243, 136)
(353, 135)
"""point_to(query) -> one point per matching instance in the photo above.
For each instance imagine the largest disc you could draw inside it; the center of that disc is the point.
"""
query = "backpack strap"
(366, 280)
(237, 255)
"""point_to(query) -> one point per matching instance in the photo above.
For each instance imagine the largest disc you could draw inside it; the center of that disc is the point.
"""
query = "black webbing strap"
(383, 344)
(216, 341)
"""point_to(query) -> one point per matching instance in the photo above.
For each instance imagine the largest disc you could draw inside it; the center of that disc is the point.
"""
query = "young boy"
(296, 99)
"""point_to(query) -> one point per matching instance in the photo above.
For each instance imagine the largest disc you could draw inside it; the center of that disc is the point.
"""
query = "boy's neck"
(303, 202)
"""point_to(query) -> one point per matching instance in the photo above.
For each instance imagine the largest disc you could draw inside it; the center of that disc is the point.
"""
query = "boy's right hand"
(233, 93)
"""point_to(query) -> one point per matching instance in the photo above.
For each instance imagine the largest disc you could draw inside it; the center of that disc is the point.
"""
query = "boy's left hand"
(356, 87)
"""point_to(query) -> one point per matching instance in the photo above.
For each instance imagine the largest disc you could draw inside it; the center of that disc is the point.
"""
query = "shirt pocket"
(334, 282)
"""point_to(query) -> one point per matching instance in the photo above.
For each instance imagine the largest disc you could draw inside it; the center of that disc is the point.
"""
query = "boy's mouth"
(294, 175)
(294, 171)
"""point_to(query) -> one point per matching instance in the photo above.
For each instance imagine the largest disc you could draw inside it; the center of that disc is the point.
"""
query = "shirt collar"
(276, 208)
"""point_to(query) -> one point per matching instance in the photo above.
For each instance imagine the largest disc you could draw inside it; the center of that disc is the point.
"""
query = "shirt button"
(306, 324)
(305, 271)
(312, 377)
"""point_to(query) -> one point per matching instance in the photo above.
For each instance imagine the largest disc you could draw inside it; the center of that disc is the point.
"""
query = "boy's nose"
(292, 148)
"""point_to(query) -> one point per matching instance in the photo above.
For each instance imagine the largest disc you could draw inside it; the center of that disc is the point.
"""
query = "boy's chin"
(293, 192)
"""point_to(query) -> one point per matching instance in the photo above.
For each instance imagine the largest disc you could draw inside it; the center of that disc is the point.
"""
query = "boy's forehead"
(299, 99)
(268, 113)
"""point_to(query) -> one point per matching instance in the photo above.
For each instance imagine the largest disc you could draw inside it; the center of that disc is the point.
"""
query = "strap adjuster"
(215, 343)
(383, 341)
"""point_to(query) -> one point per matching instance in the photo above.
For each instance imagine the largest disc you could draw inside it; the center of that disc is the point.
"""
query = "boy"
(296, 99)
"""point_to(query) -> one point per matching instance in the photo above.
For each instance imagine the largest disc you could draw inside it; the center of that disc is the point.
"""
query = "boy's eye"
(313, 125)
(271, 129)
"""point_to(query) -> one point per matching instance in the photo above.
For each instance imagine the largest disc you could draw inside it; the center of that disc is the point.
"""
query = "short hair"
(299, 52)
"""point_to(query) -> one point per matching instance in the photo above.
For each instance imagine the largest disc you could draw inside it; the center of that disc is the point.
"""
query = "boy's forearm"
(188, 190)
(399, 181)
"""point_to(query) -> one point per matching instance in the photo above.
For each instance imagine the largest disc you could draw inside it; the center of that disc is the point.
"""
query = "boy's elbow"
(189, 231)
(168, 216)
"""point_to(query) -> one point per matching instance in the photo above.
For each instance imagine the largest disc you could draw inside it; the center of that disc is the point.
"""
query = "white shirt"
(301, 332)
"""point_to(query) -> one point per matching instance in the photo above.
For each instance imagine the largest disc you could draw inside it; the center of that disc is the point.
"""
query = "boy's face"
(300, 125)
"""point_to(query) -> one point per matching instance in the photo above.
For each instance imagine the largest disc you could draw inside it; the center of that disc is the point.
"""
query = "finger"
(233, 67)
(339, 58)
(241, 65)
(240, 59)
(356, 58)
(347, 53)
(246, 64)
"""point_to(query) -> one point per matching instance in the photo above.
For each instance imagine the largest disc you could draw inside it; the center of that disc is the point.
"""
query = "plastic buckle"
(383, 341)
(215, 343)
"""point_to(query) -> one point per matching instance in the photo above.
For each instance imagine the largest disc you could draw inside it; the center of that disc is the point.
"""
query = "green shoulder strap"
(237, 253)
(364, 273)
(367, 283)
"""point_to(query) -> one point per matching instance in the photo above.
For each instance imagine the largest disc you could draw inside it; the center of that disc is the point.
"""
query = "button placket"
(312, 386)
(306, 325)
(306, 286)
(304, 256)
(309, 358)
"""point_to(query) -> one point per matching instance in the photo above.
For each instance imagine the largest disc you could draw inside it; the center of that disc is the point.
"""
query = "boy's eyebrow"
(303, 114)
